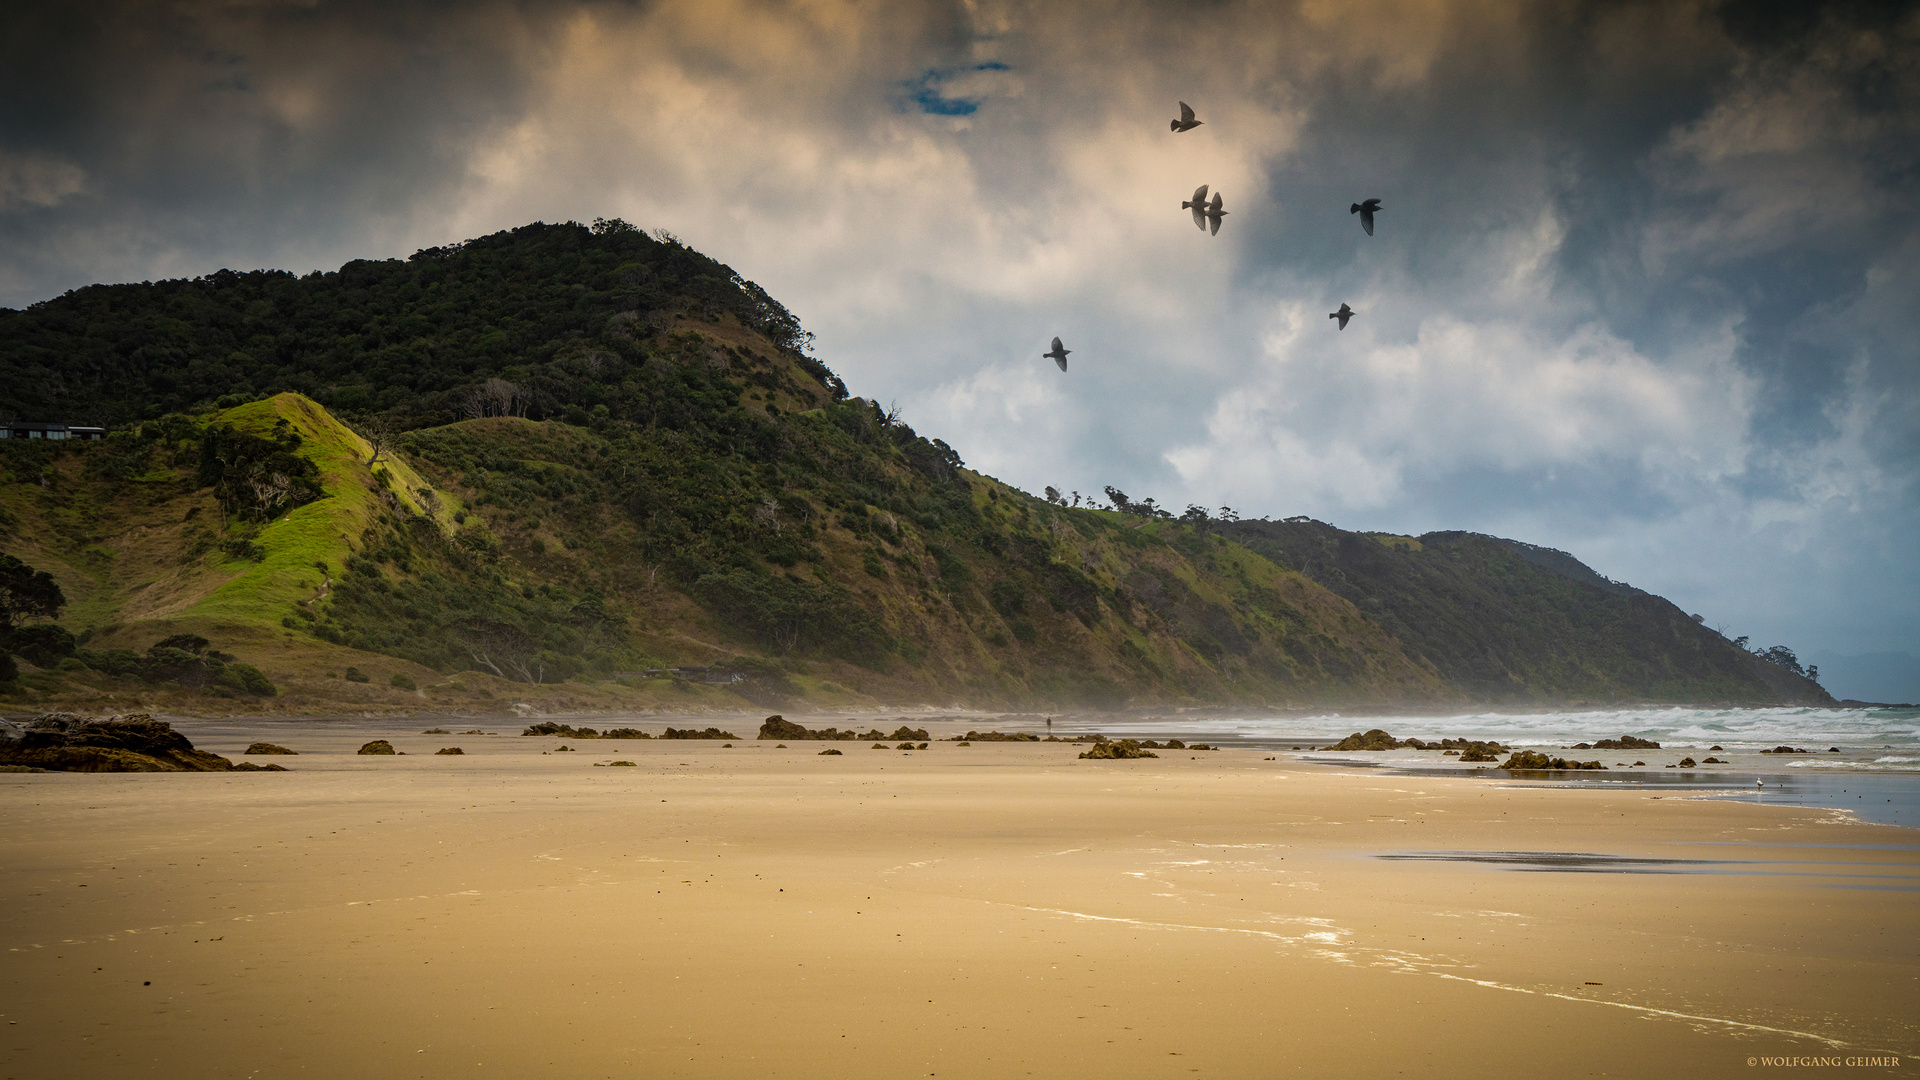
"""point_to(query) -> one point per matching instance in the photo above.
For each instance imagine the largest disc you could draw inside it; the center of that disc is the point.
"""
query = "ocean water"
(1875, 773)
(1874, 739)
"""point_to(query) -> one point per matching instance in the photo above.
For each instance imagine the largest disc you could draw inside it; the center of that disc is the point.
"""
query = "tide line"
(1321, 937)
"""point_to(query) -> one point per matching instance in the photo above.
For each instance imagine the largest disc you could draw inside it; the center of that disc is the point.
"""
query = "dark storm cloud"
(223, 131)
(1641, 286)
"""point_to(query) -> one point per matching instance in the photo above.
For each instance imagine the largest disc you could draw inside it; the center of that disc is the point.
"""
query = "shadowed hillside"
(1506, 621)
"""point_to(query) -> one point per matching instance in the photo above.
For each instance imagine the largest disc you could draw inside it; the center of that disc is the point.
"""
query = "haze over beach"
(980, 539)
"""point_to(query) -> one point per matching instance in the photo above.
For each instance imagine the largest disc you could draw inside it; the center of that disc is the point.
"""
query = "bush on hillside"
(42, 644)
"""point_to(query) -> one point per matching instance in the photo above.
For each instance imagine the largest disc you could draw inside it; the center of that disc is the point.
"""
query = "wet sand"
(989, 911)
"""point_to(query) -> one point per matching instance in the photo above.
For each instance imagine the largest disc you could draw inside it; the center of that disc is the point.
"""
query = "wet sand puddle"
(1587, 862)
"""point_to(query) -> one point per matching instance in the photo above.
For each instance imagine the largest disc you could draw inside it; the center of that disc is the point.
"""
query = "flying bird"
(1198, 205)
(1214, 213)
(1365, 210)
(1343, 315)
(1059, 354)
(1186, 121)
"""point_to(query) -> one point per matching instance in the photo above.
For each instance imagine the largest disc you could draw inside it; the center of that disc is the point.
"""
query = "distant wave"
(1674, 727)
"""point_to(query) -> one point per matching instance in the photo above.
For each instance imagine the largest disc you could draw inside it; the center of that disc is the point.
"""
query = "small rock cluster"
(1532, 760)
(135, 742)
(779, 727)
(568, 731)
(1624, 742)
(1121, 748)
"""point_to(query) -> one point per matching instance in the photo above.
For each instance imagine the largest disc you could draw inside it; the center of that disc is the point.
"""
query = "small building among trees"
(33, 429)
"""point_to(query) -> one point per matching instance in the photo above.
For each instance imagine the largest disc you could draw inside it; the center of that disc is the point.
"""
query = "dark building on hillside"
(29, 429)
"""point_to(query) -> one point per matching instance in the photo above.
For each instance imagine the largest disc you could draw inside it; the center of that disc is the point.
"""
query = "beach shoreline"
(992, 910)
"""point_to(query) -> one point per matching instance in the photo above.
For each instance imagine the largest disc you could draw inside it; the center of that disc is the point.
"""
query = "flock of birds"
(1207, 215)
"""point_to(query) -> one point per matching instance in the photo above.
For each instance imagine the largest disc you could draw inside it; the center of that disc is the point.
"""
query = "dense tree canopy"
(540, 308)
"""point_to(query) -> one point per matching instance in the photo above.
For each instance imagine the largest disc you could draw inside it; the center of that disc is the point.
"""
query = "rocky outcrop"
(135, 742)
(997, 736)
(1786, 750)
(689, 733)
(568, 731)
(1373, 739)
(1113, 751)
(449, 750)
(267, 748)
(376, 748)
(1529, 760)
(779, 727)
(1624, 742)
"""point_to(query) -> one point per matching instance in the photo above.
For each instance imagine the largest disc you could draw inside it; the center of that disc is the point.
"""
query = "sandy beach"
(998, 910)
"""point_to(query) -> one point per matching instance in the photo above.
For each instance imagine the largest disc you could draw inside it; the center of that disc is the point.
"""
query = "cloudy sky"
(1645, 287)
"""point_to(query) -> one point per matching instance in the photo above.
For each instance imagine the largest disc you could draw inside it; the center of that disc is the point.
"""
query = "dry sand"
(988, 911)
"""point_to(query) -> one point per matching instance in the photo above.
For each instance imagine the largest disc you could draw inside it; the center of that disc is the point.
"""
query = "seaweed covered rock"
(249, 766)
(1687, 763)
(268, 748)
(565, 731)
(136, 742)
(449, 750)
(568, 731)
(832, 751)
(689, 733)
(1624, 742)
(376, 747)
(1113, 751)
(779, 727)
(997, 736)
(1374, 739)
(1786, 750)
(1529, 759)
(1480, 752)
(1463, 745)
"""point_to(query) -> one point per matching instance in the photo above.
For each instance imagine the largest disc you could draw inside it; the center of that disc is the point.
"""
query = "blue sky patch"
(926, 91)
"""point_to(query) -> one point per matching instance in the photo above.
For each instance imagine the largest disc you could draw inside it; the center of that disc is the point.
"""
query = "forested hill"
(1507, 621)
(554, 463)
(415, 338)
